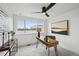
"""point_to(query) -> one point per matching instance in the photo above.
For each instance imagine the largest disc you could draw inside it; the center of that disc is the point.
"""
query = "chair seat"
(5, 47)
(52, 44)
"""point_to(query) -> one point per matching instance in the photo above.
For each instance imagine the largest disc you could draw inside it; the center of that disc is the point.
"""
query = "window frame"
(15, 17)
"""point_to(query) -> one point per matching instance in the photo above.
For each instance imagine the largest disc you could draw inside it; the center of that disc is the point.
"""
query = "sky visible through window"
(26, 24)
(31, 23)
(20, 23)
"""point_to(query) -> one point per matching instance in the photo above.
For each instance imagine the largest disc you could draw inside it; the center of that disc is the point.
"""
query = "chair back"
(49, 37)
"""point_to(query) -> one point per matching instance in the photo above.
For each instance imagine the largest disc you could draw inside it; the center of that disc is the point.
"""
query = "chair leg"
(56, 51)
(48, 51)
(46, 48)
(6, 53)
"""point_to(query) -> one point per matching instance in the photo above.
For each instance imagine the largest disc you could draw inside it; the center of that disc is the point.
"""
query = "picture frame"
(60, 27)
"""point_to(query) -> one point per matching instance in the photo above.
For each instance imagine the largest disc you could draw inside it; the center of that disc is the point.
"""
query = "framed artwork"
(60, 27)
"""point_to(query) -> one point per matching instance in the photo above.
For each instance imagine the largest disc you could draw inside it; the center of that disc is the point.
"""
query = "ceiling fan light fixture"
(43, 13)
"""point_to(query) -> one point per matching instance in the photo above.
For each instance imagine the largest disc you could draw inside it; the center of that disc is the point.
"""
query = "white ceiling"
(26, 9)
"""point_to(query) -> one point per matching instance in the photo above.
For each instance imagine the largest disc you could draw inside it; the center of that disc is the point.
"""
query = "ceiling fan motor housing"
(43, 9)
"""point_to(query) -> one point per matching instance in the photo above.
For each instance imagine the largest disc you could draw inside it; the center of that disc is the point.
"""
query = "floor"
(41, 51)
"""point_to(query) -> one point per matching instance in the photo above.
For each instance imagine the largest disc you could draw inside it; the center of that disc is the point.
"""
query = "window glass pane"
(31, 25)
(20, 25)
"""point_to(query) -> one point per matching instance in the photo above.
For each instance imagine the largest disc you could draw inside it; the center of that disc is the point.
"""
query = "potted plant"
(12, 34)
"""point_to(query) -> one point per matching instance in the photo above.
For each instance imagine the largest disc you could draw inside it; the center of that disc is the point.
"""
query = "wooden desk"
(49, 45)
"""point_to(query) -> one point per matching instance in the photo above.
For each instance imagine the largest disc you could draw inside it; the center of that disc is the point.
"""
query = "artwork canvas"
(60, 27)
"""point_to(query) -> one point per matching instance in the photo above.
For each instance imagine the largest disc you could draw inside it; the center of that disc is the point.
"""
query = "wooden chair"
(52, 43)
(6, 47)
(9, 45)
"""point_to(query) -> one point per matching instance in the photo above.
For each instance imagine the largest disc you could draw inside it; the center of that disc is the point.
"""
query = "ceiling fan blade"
(36, 12)
(51, 5)
(46, 14)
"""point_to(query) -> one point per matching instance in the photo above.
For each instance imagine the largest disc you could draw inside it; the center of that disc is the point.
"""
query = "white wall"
(24, 39)
(71, 41)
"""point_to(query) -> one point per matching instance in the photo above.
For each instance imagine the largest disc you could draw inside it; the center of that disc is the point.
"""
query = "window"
(26, 25)
(29, 25)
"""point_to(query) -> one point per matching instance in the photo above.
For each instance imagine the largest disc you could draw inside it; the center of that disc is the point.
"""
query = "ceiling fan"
(45, 9)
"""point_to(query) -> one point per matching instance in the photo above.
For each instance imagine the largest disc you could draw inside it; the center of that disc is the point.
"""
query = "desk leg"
(56, 51)
(37, 44)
